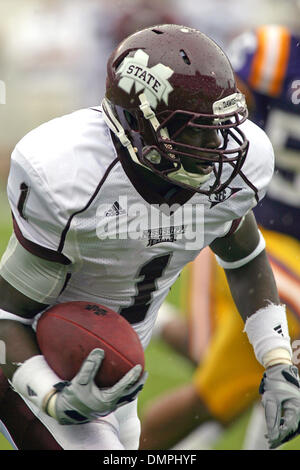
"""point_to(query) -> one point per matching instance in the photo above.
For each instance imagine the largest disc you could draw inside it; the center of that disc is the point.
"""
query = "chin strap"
(116, 127)
(186, 177)
(150, 116)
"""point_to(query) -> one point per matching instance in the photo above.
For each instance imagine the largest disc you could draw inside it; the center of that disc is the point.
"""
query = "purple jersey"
(268, 62)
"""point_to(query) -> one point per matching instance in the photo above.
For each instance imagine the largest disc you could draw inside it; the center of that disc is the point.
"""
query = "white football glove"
(280, 389)
(81, 401)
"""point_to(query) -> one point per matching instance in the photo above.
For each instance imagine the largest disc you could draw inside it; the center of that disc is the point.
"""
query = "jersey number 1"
(149, 272)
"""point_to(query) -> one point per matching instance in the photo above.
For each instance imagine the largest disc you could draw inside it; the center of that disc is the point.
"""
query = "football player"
(267, 65)
(109, 204)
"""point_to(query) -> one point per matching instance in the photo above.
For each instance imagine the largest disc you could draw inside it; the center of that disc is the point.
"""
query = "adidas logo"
(31, 393)
(115, 210)
(278, 330)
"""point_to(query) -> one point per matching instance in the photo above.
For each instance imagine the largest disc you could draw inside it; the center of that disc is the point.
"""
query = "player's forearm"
(253, 286)
(25, 366)
(16, 316)
(255, 293)
(19, 345)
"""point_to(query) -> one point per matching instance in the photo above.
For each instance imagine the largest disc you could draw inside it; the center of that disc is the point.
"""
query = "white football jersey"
(75, 201)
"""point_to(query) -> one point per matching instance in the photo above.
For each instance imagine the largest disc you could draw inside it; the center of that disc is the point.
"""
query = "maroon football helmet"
(166, 79)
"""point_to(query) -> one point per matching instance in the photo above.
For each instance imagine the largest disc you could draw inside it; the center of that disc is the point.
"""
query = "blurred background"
(53, 61)
(53, 52)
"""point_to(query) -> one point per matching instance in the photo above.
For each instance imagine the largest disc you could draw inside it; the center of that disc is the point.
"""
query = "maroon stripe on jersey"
(67, 227)
(37, 250)
(22, 199)
(233, 227)
(251, 185)
(68, 277)
(248, 182)
(26, 430)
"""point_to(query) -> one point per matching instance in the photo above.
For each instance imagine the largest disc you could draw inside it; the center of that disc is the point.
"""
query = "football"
(67, 332)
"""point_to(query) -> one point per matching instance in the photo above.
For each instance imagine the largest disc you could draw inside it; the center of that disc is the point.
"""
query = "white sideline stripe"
(288, 286)
(271, 57)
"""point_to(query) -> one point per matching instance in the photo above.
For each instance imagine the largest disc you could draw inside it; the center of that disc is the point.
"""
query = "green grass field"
(166, 369)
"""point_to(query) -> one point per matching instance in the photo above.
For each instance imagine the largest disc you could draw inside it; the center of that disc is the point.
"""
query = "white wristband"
(34, 380)
(267, 330)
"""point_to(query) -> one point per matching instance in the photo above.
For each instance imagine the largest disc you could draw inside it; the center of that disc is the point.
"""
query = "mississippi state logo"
(163, 234)
(134, 71)
(222, 196)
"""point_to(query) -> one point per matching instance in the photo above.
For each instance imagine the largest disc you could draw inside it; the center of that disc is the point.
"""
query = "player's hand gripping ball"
(68, 332)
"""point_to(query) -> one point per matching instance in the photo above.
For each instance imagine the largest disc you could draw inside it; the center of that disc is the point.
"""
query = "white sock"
(202, 438)
(166, 313)
(256, 430)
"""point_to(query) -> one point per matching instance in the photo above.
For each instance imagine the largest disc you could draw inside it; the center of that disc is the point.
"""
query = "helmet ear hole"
(132, 121)
(185, 57)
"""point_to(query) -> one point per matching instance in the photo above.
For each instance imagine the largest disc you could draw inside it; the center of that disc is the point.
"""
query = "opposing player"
(267, 64)
(133, 203)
